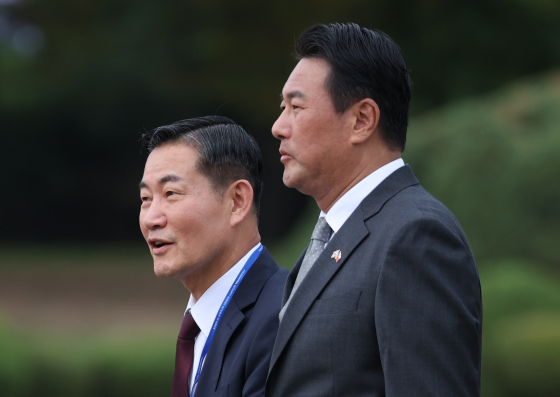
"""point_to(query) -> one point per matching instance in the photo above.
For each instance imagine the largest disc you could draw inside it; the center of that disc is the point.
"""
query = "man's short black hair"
(365, 63)
(226, 151)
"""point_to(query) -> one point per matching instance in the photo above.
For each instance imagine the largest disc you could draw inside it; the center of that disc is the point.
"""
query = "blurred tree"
(79, 81)
(493, 161)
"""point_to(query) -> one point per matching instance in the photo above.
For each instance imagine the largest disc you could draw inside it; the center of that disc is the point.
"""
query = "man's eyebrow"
(169, 178)
(293, 94)
(166, 178)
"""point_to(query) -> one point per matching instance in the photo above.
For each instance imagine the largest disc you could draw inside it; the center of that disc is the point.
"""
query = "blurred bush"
(494, 162)
(99, 367)
(521, 330)
(14, 363)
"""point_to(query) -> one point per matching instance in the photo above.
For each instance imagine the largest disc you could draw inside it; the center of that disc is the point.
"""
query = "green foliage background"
(483, 139)
(71, 112)
(494, 162)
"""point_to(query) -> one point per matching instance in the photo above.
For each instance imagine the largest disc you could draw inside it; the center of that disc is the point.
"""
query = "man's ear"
(240, 195)
(366, 119)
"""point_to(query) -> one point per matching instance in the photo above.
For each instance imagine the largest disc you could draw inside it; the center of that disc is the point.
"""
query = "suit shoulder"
(414, 209)
(274, 278)
(274, 286)
(275, 274)
(280, 275)
(416, 204)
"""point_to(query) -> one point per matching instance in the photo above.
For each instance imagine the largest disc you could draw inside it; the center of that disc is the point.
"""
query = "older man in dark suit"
(385, 301)
(200, 201)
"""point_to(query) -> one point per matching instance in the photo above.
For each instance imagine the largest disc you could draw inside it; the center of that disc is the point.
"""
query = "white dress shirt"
(205, 309)
(347, 204)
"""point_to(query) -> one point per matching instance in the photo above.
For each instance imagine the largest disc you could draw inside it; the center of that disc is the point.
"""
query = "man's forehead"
(306, 79)
(169, 163)
(172, 156)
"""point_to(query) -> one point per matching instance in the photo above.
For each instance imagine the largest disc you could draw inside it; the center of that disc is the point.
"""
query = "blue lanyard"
(222, 309)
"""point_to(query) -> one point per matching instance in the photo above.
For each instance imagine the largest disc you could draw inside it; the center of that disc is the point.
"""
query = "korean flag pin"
(337, 255)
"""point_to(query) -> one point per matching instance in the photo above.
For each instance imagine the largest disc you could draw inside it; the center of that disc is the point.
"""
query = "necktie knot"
(189, 327)
(322, 231)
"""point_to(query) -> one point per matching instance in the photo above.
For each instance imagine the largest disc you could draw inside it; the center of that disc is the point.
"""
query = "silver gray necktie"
(320, 237)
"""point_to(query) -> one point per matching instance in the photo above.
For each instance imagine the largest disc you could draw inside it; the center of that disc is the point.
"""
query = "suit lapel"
(213, 363)
(246, 294)
(290, 281)
(346, 240)
(318, 277)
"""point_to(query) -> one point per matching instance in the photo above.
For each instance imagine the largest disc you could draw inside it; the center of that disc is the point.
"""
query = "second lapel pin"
(337, 255)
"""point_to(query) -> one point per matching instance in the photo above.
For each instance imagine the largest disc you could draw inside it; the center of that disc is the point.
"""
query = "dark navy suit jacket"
(238, 358)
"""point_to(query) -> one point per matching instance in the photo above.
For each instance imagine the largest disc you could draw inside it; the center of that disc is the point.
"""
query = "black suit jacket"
(399, 315)
(238, 359)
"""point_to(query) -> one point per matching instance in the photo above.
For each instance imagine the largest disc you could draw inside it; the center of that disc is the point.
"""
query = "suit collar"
(397, 181)
(246, 294)
(347, 204)
(260, 272)
(346, 240)
(206, 308)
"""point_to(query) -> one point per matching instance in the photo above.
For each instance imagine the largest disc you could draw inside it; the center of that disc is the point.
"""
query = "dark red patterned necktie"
(184, 356)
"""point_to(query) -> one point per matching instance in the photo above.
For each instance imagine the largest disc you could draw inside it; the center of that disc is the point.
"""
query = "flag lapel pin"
(337, 255)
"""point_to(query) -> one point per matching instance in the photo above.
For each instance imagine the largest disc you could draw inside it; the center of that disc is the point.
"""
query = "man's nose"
(153, 217)
(280, 128)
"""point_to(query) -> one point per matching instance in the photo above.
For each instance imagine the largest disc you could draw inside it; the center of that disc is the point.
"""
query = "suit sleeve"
(428, 313)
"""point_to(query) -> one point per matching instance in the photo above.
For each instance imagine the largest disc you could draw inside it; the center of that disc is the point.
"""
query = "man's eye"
(144, 199)
(169, 193)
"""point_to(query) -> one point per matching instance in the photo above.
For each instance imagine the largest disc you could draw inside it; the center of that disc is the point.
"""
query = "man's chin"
(164, 271)
(288, 179)
(292, 181)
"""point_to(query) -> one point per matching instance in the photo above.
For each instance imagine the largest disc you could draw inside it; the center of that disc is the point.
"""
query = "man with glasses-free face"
(200, 197)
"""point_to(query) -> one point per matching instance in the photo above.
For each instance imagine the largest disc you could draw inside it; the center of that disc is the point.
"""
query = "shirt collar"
(205, 309)
(347, 204)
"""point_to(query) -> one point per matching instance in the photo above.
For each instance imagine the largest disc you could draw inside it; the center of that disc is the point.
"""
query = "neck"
(335, 191)
(198, 283)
